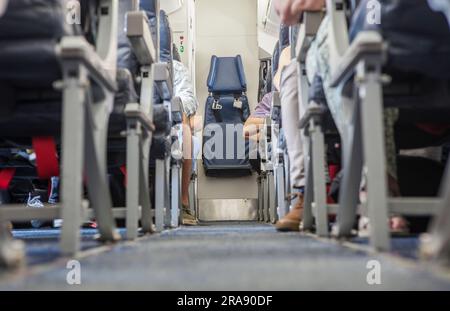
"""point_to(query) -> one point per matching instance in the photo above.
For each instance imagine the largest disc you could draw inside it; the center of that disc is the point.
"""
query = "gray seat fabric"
(149, 6)
(29, 31)
(25, 19)
(419, 47)
(126, 93)
(125, 56)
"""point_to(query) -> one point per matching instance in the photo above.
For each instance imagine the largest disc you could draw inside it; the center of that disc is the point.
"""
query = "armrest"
(77, 48)
(177, 110)
(107, 34)
(314, 111)
(276, 109)
(140, 37)
(134, 111)
(308, 29)
(162, 75)
(276, 102)
(367, 44)
(177, 104)
(3, 5)
(268, 129)
(338, 31)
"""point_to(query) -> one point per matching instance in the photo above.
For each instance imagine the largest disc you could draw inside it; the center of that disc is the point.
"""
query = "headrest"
(165, 38)
(227, 75)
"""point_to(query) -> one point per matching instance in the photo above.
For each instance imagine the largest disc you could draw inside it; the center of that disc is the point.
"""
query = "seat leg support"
(374, 153)
(319, 182)
(72, 151)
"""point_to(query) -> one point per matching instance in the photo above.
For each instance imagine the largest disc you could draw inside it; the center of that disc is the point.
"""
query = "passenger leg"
(188, 217)
(290, 115)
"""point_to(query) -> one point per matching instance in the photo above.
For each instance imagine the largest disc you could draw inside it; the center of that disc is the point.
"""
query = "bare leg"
(187, 162)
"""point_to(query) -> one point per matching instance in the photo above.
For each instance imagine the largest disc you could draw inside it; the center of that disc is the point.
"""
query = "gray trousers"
(290, 115)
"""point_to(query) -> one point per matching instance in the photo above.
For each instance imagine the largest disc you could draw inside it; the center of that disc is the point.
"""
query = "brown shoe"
(291, 222)
(187, 218)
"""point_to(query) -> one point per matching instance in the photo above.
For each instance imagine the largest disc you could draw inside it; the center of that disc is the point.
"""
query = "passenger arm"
(3, 5)
(252, 128)
(183, 88)
(291, 10)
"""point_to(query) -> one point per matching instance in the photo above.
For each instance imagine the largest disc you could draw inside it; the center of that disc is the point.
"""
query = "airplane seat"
(42, 54)
(131, 123)
(419, 73)
(162, 113)
(127, 73)
(401, 32)
(227, 103)
(32, 36)
(398, 63)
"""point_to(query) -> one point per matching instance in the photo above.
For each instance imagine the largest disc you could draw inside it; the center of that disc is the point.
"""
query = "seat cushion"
(29, 62)
(45, 120)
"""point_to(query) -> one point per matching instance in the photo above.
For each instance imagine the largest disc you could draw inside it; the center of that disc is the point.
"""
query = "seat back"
(226, 108)
(29, 65)
(226, 75)
(165, 38)
(418, 38)
(29, 32)
(125, 56)
(150, 8)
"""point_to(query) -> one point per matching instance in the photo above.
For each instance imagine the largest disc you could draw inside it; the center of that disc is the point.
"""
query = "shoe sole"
(190, 224)
(288, 227)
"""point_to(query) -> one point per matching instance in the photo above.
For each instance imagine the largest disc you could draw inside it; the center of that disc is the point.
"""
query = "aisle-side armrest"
(314, 112)
(140, 37)
(276, 101)
(368, 44)
(308, 30)
(162, 75)
(77, 48)
(134, 110)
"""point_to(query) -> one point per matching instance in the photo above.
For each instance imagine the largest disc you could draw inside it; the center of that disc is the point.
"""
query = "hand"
(290, 10)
